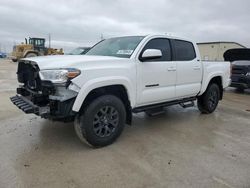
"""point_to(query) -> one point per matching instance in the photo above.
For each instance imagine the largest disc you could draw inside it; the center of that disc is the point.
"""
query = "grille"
(28, 75)
(239, 70)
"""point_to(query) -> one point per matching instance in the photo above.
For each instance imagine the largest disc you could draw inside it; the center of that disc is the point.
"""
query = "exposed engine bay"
(41, 97)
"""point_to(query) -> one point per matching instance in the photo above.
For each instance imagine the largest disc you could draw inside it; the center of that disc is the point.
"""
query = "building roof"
(218, 42)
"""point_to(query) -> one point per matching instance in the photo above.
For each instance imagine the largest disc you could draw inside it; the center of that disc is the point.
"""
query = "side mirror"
(151, 54)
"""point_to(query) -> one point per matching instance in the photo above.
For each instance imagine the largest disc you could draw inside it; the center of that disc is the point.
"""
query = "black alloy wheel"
(105, 121)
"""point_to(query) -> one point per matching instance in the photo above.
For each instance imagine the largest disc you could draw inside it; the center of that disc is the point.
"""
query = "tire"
(102, 122)
(208, 102)
(14, 60)
(31, 55)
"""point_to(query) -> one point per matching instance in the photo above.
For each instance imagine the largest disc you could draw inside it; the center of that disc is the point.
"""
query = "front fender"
(102, 82)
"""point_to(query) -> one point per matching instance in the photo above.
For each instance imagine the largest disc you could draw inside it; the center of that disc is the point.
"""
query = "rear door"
(156, 78)
(189, 69)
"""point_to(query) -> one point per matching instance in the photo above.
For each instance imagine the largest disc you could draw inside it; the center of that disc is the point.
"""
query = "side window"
(184, 51)
(160, 44)
(42, 42)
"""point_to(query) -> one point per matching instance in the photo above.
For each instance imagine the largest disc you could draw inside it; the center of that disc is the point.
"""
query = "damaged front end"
(45, 98)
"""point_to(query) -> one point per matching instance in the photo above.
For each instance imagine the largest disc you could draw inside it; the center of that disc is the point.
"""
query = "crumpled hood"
(69, 61)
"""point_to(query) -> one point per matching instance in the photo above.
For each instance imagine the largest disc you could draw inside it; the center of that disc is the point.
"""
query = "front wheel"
(102, 122)
(208, 102)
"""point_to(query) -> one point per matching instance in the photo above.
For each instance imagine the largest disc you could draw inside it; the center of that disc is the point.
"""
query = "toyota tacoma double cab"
(117, 77)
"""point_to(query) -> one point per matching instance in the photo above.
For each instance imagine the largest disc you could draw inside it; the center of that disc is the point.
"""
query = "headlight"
(59, 75)
(248, 74)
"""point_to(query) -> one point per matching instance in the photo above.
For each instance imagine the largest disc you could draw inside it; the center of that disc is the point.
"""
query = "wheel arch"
(217, 79)
(119, 90)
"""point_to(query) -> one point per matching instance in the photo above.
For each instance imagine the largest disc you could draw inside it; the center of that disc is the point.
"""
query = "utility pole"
(49, 40)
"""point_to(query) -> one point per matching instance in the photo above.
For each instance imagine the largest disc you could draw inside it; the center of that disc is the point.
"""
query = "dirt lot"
(181, 148)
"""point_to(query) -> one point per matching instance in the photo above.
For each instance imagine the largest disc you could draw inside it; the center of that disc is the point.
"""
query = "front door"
(156, 78)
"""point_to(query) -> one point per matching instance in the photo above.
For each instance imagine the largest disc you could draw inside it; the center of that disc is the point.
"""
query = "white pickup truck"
(119, 76)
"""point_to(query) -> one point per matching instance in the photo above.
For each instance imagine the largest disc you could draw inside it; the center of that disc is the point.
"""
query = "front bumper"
(43, 97)
(12, 57)
(239, 85)
(56, 106)
(240, 81)
(27, 106)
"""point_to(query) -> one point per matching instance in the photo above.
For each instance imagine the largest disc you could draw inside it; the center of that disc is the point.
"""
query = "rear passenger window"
(184, 51)
(159, 44)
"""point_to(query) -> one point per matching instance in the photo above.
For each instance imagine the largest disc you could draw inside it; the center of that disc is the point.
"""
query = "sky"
(74, 23)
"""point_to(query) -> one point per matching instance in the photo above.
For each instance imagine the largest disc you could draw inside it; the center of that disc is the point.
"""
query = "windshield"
(78, 51)
(117, 47)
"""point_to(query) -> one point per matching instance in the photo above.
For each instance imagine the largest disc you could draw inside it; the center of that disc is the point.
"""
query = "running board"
(164, 104)
(187, 105)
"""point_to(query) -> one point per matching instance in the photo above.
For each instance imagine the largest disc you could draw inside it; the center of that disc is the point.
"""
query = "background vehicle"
(3, 55)
(79, 51)
(240, 75)
(33, 47)
(240, 59)
(118, 77)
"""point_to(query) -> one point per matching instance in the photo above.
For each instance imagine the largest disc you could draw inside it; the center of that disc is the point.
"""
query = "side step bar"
(170, 103)
(24, 104)
(187, 105)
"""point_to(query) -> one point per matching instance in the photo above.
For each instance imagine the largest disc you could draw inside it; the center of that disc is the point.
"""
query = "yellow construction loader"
(33, 47)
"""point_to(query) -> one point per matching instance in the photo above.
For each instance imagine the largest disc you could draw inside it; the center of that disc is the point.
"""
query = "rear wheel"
(31, 55)
(208, 102)
(102, 121)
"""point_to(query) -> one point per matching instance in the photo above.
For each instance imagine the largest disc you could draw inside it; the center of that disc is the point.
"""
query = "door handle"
(171, 69)
(197, 68)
